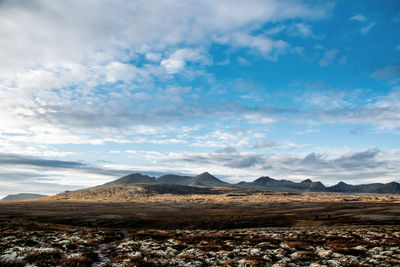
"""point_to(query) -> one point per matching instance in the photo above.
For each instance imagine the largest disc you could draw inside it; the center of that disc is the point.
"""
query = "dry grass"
(210, 211)
(154, 193)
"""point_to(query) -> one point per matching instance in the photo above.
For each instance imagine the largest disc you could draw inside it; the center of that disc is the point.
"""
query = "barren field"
(233, 209)
(221, 228)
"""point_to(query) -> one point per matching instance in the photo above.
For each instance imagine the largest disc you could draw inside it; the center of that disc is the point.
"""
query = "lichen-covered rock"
(305, 246)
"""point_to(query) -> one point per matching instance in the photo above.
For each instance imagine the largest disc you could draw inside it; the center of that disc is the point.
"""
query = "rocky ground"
(32, 244)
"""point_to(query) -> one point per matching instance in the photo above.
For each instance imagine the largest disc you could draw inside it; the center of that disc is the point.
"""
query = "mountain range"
(22, 196)
(206, 183)
(204, 179)
(264, 183)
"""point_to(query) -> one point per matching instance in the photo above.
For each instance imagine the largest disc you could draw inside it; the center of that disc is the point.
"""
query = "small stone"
(334, 262)
(254, 252)
(360, 248)
(194, 264)
(244, 263)
(137, 254)
(323, 253)
(266, 258)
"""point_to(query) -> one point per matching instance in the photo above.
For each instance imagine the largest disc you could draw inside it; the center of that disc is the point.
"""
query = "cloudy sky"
(92, 90)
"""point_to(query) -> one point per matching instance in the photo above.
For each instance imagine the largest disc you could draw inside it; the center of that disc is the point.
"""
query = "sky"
(93, 90)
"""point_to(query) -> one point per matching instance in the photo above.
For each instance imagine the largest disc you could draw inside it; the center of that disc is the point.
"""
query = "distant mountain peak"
(134, 178)
(264, 179)
(206, 179)
(206, 175)
(22, 196)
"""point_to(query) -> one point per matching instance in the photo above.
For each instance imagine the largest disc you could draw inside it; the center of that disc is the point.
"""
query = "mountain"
(175, 179)
(204, 179)
(135, 178)
(342, 187)
(22, 196)
(312, 186)
(263, 183)
(389, 188)
(268, 183)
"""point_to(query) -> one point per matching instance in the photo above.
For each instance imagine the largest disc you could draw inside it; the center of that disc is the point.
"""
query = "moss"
(78, 262)
(48, 258)
(12, 264)
(91, 255)
(349, 251)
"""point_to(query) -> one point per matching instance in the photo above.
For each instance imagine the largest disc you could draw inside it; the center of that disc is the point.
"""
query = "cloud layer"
(237, 88)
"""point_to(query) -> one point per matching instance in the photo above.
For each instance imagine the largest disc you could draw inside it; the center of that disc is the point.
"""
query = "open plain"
(214, 208)
(224, 227)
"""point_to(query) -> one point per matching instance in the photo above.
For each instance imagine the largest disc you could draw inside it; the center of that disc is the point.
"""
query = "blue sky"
(90, 91)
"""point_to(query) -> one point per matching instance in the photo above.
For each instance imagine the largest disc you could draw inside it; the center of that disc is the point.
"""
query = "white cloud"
(153, 56)
(243, 61)
(46, 32)
(177, 60)
(265, 143)
(308, 131)
(302, 29)
(220, 139)
(117, 71)
(267, 47)
(366, 29)
(328, 57)
(359, 17)
(387, 72)
(69, 69)
(275, 30)
(255, 118)
(328, 98)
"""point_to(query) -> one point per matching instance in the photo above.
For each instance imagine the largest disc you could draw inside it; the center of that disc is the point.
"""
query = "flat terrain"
(222, 210)
(217, 227)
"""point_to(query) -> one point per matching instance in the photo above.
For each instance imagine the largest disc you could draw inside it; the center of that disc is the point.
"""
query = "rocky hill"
(134, 191)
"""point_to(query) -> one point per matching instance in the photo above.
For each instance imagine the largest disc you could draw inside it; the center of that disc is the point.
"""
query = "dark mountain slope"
(263, 183)
(175, 179)
(135, 178)
(206, 179)
(389, 188)
(268, 183)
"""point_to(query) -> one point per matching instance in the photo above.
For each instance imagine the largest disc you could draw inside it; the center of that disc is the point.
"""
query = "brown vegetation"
(82, 229)
(217, 210)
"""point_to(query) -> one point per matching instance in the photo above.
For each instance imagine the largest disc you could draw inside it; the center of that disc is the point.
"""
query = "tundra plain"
(139, 225)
